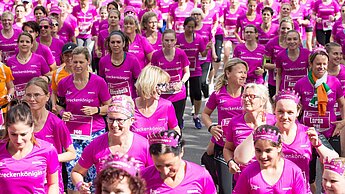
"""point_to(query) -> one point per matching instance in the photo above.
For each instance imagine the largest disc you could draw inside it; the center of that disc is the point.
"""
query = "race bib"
(19, 91)
(229, 32)
(225, 123)
(320, 123)
(336, 110)
(290, 81)
(326, 25)
(121, 88)
(80, 127)
(170, 88)
(192, 65)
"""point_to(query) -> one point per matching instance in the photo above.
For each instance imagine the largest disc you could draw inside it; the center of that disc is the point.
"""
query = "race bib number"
(80, 127)
(225, 123)
(290, 81)
(229, 32)
(121, 88)
(192, 65)
(320, 123)
(170, 88)
(19, 91)
(327, 25)
(336, 109)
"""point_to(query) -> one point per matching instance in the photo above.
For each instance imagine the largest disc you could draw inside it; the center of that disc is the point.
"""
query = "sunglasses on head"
(45, 27)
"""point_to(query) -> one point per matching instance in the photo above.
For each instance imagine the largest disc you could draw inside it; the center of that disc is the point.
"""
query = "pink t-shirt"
(163, 118)
(341, 78)
(8, 46)
(174, 69)
(264, 37)
(66, 32)
(27, 175)
(272, 48)
(93, 94)
(84, 20)
(340, 38)
(158, 44)
(102, 36)
(46, 53)
(156, 11)
(120, 79)
(242, 22)
(226, 105)
(23, 73)
(164, 7)
(6, 6)
(71, 20)
(206, 33)
(251, 181)
(196, 180)
(292, 71)
(137, 4)
(306, 91)
(300, 151)
(324, 11)
(55, 132)
(230, 22)
(141, 47)
(302, 13)
(337, 27)
(178, 16)
(98, 150)
(56, 49)
(192, 51)
(253, 58)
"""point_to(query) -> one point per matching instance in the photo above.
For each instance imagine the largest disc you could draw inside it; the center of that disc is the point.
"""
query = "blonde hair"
(222, 80)
(148, 79)
(132, 19)
(198, 10)
(261, 91)
(342, 160)
(7, 13)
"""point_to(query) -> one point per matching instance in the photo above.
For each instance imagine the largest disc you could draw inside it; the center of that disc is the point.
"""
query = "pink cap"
(157, 138)
(288, 94)
(55, 9)
(335, 166)
(267, 132)
(122, 104)
(124, 162)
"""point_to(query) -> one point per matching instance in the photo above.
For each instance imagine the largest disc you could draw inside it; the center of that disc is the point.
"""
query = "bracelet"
(209, 128)
(79, 184)
(230, 161)
(98, 110)
(47, 78)
(61, 112)
(319, 144)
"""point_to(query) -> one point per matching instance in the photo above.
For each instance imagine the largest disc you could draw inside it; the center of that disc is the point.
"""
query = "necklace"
(23, 59)
(117, 62)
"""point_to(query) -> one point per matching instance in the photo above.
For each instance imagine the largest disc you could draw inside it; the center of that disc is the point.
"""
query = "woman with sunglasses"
(255, 101)
(55, 30)
(55, 45)
(48, 126)
(139, 45)
(84, 96)
(64, 29)
(31, 164)
(26, 65)
(119, 140)
(170, 173)
(319, 92)
(153, 113)
(149, 27)
(119, 67)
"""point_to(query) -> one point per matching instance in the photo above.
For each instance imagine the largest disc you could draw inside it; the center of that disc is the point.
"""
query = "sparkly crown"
(158, 138)
(288, 94)
(335, 166)
(266, 132)
(124, 162)
(122, 104)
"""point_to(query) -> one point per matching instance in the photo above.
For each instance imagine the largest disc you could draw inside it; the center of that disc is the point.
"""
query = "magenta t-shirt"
(27, 175)
(56, 49)
(253, 58)
(46, 53)
(158, 44)
(141, 47)
(56, 132)
(300, 151)
(206, 33)
(301, 14)
(163, 118)
(156, 11)
(306, 91)
(227, 107)
(230, 22)
(98, 150)
(6, 6)
(337, 27)
(272, 48)
(242, 22)
(290, 182)
(84, 20)
(66, 32)
(93, 94)
(174, 68)
(178, 16)
(8, 46)
(292, 71)
(102, 36)
(192, 51)
(23, 73)
(264, 37)
(196, 180)
(324, 11)
(71, 20)
(340, 38)
(120, 79)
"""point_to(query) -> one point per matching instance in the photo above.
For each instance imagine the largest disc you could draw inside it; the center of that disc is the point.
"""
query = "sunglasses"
(55, 24)
(45, 27)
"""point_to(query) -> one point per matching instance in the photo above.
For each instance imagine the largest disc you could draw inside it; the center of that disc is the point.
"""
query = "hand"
(318, 20)
(259, 71)
(98, 53)
(177, 86)
(85, 188)
(242, 41)
(66, 116)
(217, 132)
(313, 137)
(331, 18)
(340, 125)
(233, 167)
(89, 110)
(209, 45)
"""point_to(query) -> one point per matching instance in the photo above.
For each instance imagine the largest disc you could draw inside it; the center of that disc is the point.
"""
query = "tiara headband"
(124, 162)
(157, 138)
(120, 104)
(288, 94)
(335, 166)
(266, 132)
